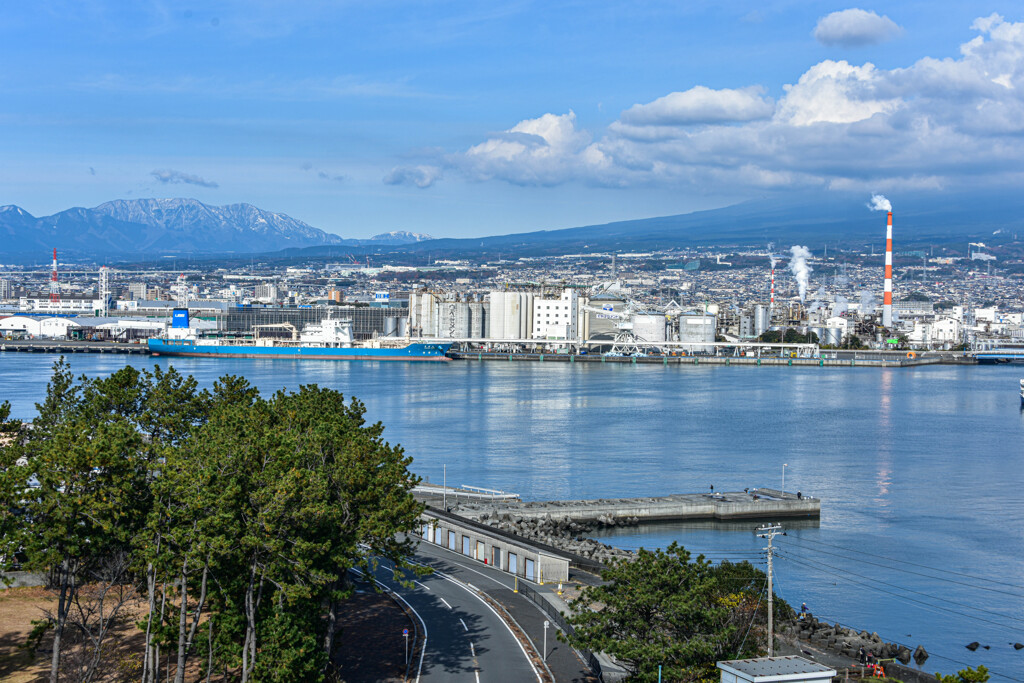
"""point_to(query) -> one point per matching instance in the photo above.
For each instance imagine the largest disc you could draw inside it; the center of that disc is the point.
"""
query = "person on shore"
(803, 608)
(862, 655)
(712, 488)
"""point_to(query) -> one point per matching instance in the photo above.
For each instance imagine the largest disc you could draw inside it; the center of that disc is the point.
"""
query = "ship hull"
(187, 348)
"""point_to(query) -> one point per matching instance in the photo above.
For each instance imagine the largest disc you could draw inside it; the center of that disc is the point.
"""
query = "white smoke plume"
(841, 305)
(771, 254)
(880, 203)
(800, 268)
(867, 303)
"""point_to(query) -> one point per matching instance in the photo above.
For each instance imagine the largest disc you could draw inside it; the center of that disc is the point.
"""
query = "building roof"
(764, 669)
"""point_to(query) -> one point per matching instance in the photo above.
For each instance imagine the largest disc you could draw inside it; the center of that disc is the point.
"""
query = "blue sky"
(474, 118)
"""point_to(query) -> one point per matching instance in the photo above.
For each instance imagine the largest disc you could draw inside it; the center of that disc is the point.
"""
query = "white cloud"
(932, 124)
(834, 92)
(701, 105)
(421, 176)
(541, 151)
(855, 27)
(168, 176)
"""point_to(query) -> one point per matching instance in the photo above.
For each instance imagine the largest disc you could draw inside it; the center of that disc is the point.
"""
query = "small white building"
(791, 669)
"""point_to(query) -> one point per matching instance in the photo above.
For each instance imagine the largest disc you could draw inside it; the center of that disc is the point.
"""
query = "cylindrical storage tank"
(390, 326)
(832, 336)
(511, 313)
(760, 320)
(496, 326)
(476, 320)
(698, 331)
(820, 332)
(712, 309)
(403, 327)
(649, 326)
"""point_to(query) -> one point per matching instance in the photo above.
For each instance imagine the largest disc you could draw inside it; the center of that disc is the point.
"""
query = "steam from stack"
(880, 203)
(800, 268)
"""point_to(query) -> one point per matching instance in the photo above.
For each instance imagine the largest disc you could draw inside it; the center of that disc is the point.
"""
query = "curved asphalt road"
(466, 639)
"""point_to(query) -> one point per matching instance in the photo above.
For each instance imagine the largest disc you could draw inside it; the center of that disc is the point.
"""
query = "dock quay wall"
(755, 504)
(890, 361)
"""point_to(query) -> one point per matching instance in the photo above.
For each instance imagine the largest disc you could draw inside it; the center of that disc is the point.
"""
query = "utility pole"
(770, 531)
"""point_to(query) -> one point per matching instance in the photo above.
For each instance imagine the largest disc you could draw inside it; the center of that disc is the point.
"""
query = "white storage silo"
(650, 326)
(696, 332)
(496, 319)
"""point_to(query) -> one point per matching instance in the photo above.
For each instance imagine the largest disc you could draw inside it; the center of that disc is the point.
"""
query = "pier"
(755, 504)
(64, 346)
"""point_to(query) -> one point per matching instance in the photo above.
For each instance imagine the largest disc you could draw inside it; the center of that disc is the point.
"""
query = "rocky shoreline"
(847, 642)
(563, 534)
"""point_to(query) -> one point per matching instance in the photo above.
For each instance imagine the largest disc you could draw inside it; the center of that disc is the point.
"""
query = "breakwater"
(759, 504)
(66, 347)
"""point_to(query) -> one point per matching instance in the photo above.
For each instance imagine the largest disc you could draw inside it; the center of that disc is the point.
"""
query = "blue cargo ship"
(327, 340)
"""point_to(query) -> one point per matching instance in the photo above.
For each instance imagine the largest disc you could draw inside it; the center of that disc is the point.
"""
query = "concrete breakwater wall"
(753, 504)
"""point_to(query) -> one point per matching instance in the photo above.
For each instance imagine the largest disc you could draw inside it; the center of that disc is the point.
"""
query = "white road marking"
(445, 602)
(471, 648)
(464, 625)
(477, 673)
(421, 585)
(476, 595)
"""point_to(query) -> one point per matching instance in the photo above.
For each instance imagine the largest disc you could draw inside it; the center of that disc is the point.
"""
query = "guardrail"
(558, 618)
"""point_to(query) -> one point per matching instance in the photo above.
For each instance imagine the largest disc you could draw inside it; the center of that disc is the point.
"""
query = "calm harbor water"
(921, 470)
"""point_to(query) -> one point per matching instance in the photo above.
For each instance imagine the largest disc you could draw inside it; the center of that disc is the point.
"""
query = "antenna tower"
(54, 286)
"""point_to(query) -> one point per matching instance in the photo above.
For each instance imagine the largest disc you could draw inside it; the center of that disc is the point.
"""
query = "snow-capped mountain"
(127, 227)
(400, 237)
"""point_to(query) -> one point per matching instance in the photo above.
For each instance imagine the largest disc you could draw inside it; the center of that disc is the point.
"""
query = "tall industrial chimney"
(887, 296)
(54, 286)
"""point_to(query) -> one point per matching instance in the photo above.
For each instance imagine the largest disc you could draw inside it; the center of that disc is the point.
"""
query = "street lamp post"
(545, 655)
(784, 466)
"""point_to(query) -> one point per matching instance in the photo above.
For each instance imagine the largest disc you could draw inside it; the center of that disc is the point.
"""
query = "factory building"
(557, 318)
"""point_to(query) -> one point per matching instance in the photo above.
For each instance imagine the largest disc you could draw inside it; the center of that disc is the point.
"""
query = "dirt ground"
(370, 646)
(18, 607)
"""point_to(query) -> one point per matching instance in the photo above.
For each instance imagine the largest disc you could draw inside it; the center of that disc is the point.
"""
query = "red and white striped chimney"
(773, 285)
(887, 296)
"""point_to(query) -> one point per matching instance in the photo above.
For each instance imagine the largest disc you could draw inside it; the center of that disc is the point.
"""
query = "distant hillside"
(153, 227)
(831, 218)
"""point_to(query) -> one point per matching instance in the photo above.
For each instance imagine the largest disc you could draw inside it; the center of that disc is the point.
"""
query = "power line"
(859, 558)
(914, 564)
(845, 575)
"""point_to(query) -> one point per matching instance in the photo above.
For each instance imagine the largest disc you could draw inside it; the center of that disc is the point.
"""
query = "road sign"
(405, 632)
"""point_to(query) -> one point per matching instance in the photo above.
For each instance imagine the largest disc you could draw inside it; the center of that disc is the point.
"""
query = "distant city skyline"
(460, 119)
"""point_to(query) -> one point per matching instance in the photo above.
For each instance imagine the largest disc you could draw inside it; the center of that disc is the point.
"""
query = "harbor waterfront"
(921, 534)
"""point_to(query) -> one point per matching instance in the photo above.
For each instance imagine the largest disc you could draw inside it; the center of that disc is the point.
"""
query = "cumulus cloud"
(170, 177)
(537, 151)
(701, 105)
(931, 124)
(420, 176)
(854, 28)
